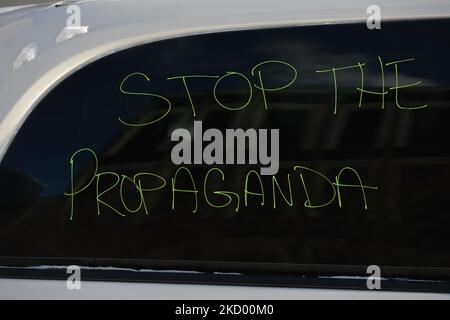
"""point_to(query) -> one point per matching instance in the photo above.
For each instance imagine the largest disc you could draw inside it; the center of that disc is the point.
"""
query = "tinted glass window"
(342, 161)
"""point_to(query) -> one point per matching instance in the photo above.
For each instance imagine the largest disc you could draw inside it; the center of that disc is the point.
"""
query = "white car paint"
(56, 289)
(113, 25)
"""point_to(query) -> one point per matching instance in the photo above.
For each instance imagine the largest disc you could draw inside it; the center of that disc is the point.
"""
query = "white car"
(225, 149)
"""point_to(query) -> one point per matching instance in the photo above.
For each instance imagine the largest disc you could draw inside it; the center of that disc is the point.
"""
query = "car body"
(39, 49)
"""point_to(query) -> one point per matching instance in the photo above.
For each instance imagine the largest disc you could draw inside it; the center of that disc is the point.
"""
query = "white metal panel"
(118, 24)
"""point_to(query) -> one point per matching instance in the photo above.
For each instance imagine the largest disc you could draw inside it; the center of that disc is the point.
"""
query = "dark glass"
(404, 153)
